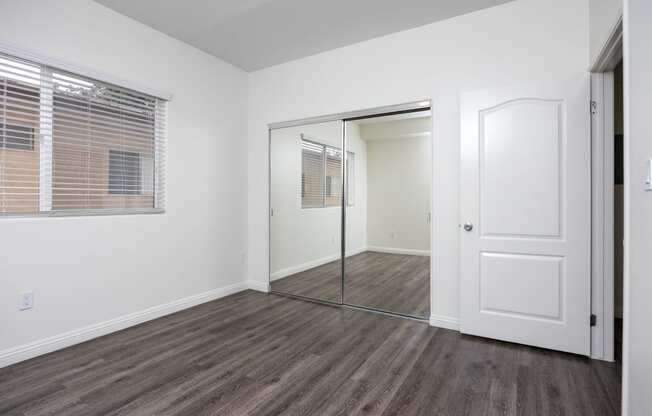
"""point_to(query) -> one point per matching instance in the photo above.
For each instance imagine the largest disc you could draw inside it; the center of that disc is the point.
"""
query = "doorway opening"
(608, 195)
(618, 209)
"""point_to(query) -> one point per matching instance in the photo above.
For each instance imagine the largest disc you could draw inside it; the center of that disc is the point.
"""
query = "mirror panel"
(306, 211)
(389, 176)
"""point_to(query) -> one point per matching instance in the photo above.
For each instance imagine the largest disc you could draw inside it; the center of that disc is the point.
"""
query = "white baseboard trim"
(446, 322)
(258, 286)
(395, 250)
(76, 336)
(312, 264)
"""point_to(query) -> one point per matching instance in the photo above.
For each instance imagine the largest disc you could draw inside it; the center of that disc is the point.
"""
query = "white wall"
(356, 215)
(92, 269)
(399, 177)
(522, 41)
(305, 238)
(637, 359)
(603, 17)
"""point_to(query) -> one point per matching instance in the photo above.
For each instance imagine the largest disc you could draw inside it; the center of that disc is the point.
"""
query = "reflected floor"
(396, 283)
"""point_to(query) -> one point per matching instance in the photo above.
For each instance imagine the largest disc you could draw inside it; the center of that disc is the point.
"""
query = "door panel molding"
(493, 180)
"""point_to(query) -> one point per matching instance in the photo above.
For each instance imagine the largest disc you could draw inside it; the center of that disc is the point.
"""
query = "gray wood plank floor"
(257, 354)
(396, 283)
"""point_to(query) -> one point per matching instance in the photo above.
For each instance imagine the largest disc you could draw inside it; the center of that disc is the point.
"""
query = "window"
(312, 174)
(74, 145)
(333, 192)
(321, 175)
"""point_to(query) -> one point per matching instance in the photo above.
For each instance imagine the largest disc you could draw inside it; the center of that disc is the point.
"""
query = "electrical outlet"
(26, 300)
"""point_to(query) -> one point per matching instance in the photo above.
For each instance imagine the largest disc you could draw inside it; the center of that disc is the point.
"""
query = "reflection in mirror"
(388, 213)
(305, 211)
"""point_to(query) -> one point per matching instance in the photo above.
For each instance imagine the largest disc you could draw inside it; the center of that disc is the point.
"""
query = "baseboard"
(446, 322)
(312, 264)
(258, 286)
(395, 250)
(76, 336)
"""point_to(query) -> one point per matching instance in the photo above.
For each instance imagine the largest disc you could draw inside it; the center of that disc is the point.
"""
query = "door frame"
(602, 194)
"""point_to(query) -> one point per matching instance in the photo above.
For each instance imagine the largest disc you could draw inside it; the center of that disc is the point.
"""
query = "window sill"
(85, 213)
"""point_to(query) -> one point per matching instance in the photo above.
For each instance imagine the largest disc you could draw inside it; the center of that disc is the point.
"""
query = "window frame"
(45, 137)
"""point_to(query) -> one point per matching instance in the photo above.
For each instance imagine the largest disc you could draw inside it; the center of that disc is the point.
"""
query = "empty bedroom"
(304, 207)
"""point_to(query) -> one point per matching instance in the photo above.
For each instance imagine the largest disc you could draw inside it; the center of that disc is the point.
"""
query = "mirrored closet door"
(388, 213)
(306, 182)
(365, 177)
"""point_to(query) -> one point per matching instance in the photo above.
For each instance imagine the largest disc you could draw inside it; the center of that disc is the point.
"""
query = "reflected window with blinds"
(312, 174)
(74, 145)
(321, 175)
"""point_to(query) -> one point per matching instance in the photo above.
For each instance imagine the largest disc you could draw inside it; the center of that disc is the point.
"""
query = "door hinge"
(594, 107)
(593, 320)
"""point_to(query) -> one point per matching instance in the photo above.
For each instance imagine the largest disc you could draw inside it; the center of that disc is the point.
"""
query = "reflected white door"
(525, 194)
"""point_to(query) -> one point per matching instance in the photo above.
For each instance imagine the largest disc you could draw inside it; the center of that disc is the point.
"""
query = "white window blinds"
(312, 174)
(321, 175)
(73, 145)
(333, 189)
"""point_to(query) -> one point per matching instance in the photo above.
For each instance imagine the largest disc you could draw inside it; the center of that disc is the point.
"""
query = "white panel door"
(526, 215)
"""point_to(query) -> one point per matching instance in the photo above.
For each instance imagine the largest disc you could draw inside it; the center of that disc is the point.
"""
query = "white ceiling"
(255, 34)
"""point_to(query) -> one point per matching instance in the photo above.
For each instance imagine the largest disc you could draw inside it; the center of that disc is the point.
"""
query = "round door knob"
(468, 226)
